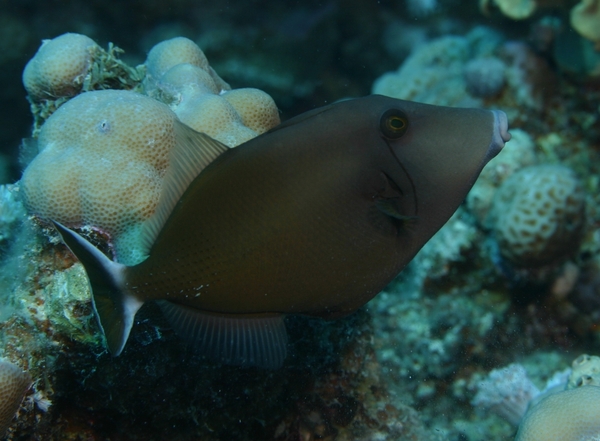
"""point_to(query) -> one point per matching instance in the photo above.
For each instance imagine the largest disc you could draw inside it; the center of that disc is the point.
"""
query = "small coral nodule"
(485, 76)
(14, 382)
(585, 18)
(538, 215)
(585, 372)
(59, 67)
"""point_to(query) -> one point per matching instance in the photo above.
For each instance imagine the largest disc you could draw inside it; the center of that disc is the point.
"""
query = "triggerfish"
(314, 217)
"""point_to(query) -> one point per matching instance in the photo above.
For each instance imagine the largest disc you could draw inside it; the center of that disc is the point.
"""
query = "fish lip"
(500, 135)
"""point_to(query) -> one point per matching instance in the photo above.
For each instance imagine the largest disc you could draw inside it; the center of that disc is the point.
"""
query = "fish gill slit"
(412, 184)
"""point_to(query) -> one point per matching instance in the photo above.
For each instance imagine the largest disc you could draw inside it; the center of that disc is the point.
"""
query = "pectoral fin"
(389, 208)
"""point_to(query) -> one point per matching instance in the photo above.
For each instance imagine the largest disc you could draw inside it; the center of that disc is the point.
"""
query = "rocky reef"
(473, 339)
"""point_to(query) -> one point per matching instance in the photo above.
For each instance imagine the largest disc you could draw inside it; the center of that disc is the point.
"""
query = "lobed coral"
(101, 161)
(14, 382)
(567, 409)
(59, 67)
(169, 53)
(569, 415)
(430, 333)
(71, 64)
(179, 74)
(538, 215)
(103, 154)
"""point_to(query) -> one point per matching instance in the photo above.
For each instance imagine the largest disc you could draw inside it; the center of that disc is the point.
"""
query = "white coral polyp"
(506, 392)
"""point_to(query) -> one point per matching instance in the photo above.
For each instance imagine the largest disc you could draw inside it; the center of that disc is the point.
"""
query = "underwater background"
(494, 324)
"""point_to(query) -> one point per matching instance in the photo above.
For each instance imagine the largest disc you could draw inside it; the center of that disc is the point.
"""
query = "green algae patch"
(68, 300)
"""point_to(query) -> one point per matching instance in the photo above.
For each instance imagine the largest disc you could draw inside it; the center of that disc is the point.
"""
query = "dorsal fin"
(192, 153)
(300, 118)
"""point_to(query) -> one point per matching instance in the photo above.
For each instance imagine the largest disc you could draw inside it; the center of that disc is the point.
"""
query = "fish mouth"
(500, 135)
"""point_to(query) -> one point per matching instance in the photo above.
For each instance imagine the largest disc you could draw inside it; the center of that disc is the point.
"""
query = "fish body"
(314, 217)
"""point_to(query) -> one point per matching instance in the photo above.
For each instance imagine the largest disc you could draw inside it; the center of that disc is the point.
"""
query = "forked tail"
(114, 306)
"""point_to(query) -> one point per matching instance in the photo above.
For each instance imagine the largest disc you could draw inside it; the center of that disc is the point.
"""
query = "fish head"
(432, 154)
(441, 150)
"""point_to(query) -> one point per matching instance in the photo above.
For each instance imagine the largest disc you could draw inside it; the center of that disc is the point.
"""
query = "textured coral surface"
(59, 67)
(538, 215)
(102, 157)
(13, 385)
(568, 415)
(103, 154)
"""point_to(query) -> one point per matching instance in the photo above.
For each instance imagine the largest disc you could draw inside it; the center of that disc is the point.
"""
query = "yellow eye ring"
(393, 123)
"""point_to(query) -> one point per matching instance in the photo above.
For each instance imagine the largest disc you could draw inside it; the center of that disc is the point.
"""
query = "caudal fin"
(114, 306)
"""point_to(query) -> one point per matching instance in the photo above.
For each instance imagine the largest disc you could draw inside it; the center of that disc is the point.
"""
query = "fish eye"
(393, 123)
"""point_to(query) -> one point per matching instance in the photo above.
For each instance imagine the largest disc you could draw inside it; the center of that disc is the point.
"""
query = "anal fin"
(259, 340)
